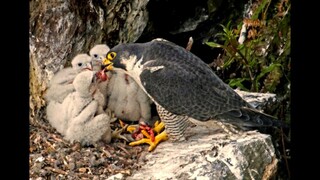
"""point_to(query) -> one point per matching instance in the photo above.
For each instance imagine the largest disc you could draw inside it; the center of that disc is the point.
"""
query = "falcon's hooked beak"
(107, 62)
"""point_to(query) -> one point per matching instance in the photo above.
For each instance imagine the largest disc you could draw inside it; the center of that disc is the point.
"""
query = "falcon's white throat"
(134, 68)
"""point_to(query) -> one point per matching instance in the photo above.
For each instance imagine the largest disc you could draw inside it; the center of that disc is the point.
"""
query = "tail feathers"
(248, 118)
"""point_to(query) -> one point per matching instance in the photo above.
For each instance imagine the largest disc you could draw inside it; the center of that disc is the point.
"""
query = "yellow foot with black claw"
(153, 144)
(158, 127)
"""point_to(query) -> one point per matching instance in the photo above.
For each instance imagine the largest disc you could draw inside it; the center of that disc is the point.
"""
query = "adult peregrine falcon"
(183, 87)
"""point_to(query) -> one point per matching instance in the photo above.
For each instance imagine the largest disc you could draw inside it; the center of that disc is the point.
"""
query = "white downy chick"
(85, 123)
(61, 83)
(126, 99)
(98, 53)
(124, 96)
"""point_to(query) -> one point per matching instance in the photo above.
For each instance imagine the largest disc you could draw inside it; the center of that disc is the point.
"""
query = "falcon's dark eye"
(95, 55)
(79, 64)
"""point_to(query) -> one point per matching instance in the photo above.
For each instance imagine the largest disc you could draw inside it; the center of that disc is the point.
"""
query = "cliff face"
(58, 30)
(209, 154)
(61, 29)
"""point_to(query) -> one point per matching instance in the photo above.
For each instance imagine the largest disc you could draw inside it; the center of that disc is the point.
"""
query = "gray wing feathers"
(250, 118)
(189, 87)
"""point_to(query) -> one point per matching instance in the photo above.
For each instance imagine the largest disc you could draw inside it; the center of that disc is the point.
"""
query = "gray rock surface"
(258, 100)
(210, 154)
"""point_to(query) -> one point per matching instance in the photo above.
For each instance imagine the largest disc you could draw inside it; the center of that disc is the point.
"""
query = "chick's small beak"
(96, 62)
(107, 64)
(89, 65)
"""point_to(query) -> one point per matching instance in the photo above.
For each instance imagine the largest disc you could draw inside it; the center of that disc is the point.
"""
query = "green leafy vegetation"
(255, 56)
(262, 62)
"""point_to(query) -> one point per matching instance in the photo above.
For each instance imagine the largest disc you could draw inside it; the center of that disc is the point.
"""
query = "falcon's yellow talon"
(146, 134)
(141, 141)
(159, 138)
(132, 128)
(158, 127)
(156, 123)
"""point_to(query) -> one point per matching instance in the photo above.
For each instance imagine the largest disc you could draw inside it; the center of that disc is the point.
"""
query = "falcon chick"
(124, 96)
(78, 117)
(98, 53)
(184, 88)
(61, 83)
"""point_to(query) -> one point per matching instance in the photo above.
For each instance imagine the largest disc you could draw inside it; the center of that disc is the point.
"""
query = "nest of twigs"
(53, 157)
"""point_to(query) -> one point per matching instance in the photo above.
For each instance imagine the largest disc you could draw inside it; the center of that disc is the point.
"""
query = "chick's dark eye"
(79, 64)
(95, 55)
